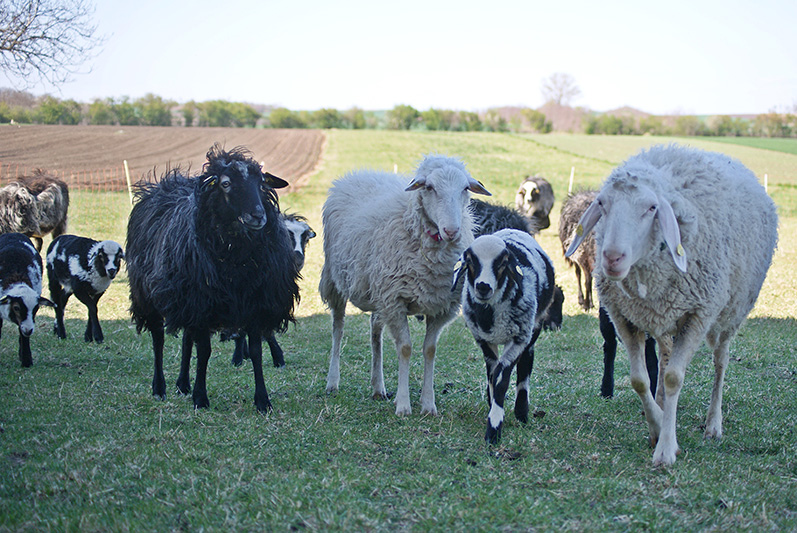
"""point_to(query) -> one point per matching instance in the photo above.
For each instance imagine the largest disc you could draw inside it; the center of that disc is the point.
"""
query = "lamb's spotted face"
(20, 305)
(486, 260)
(300, 234)
(108, 259)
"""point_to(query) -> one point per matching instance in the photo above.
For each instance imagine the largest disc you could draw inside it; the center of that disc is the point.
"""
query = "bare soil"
(75, 151)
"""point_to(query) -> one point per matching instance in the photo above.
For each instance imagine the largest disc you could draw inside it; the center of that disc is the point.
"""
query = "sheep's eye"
(225, 184)
(652, 208)
(429, 188)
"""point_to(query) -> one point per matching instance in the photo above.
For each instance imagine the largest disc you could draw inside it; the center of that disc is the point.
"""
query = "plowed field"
(92, 156)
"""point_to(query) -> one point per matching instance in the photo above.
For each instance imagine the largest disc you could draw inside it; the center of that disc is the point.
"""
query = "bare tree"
(560, 88)
(48, 39)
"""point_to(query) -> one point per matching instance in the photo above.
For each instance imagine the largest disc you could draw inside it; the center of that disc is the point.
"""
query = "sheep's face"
(444, 185)
(530, 201)
(488, 265)
(300, 233)
(26, 212)
(108, 259)
(20, 305)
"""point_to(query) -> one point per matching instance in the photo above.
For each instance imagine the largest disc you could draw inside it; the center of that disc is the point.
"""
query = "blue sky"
(678, 56)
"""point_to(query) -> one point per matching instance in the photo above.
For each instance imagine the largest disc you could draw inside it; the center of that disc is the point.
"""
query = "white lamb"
(695, 273)
(390, 249)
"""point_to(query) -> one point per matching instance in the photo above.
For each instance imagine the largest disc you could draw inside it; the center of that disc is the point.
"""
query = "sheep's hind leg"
(524, 367)
(183, 380)
(200, 395)
(377, 371)
(338, 309)
(720, 345)
(277, 355)
(401, 333)
(155, 327)
(262, 402)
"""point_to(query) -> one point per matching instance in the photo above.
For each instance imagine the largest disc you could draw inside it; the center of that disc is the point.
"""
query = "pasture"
(84, 445)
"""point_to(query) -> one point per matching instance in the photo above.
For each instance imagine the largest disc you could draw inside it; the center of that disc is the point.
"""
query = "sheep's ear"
(477, 187)
(310, 233)
(274, 182)
(45, 301)
(671, 232)
(513, 268)
(415, 184)
(585, 225)
(209, 181)
(4, 300)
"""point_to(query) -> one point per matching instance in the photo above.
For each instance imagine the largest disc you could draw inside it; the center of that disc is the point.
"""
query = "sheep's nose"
(612, 257)
(483, 290)
(451, 233)
(111, 273)
(26, 331)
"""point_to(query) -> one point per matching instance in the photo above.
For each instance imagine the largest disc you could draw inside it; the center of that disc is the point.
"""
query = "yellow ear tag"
(579, 230)
(458, 265)
(679, 250)
(517, 269)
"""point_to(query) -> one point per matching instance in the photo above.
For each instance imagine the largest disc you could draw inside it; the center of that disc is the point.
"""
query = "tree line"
(152, 110)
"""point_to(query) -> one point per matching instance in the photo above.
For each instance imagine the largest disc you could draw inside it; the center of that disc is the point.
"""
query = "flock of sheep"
(678, 240)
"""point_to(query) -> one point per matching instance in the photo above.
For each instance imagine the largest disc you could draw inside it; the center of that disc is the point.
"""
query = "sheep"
(391, 253)
(83, 267)
(20, 288)
(34, 206)
(208, 253)
(508, 289)
(684, 240)
(300, 233)
(489, 218)
(534, 200)
(584, 261)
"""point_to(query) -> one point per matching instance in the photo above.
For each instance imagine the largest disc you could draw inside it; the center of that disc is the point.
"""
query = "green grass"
(84, 446)
(788, 146)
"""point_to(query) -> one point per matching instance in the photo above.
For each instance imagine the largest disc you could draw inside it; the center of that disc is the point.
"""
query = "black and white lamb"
(34, 206)
(390, 249)
(210, 253)
(584, 261)
(534, 200)
(509, 285)
(684, 240)
(20, 288)
(489, 218)
(300, 233)
(83, 267)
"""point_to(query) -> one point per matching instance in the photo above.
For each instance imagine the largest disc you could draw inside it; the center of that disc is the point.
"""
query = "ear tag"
(458, 265)
(517, 269)
(579, 230)
(679, 250)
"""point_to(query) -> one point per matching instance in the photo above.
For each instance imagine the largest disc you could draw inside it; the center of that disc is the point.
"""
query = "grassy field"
(84, 446)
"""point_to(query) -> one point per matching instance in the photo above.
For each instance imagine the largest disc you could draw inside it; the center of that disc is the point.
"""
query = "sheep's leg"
(665, 349)
(587, 289)
(202, 340)
(434, 325)
(609, 352)
(720, 345)
(524, 367)
(155, 327)
(241, 351)
(277, 355)
(501, 375)
(581, 300)
(401, 333)
(25, 356)
(490, 352)
(634, 341)
(184, 380)
(689, 339)
(652, 365)
(93, 331)
(256, 355)
(59, 296)
(338, 309)
(378, 391)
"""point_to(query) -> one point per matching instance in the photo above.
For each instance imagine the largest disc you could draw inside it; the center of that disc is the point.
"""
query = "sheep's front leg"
(634, 341)
(200, 395)
(524, 367)
(665, 351)
(155, 327)
(256, 355)
(490, 352)
(93, 330)
(25, 356)
(338, 309)
(720, 345)
(183, 380)
(401, 333)
(378, 391)
(500, 378)
(277, 355)
(434, 325)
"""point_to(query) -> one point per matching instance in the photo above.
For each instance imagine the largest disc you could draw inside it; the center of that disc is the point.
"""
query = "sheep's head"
(239, 189)
(532, 202)
(488, 265)
(24, 217)
(20, 305)
(107, 259)
(635, 219)
(444, 185)
(300, 233)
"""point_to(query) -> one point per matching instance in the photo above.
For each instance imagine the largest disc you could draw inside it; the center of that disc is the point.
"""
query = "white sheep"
(508, 290)
(390, 249)
(684, 241)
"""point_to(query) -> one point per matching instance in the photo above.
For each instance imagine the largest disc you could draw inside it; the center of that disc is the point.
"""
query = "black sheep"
(210, 253)
(20, 288)
(83, 267)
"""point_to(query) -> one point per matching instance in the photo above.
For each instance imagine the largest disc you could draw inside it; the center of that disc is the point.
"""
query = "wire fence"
(97, 180)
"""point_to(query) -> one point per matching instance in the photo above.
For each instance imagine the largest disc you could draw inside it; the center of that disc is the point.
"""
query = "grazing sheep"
(20, 288)
(300, 233)
(534, 200)
(34, 206)
(508, 289)
(684, 239)
(584, 260)
(83, 267)
(489, 218)
(210, 253)
(390, 249)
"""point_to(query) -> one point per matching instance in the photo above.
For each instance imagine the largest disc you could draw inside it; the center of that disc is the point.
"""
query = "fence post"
(572, 174)
(129, 186)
